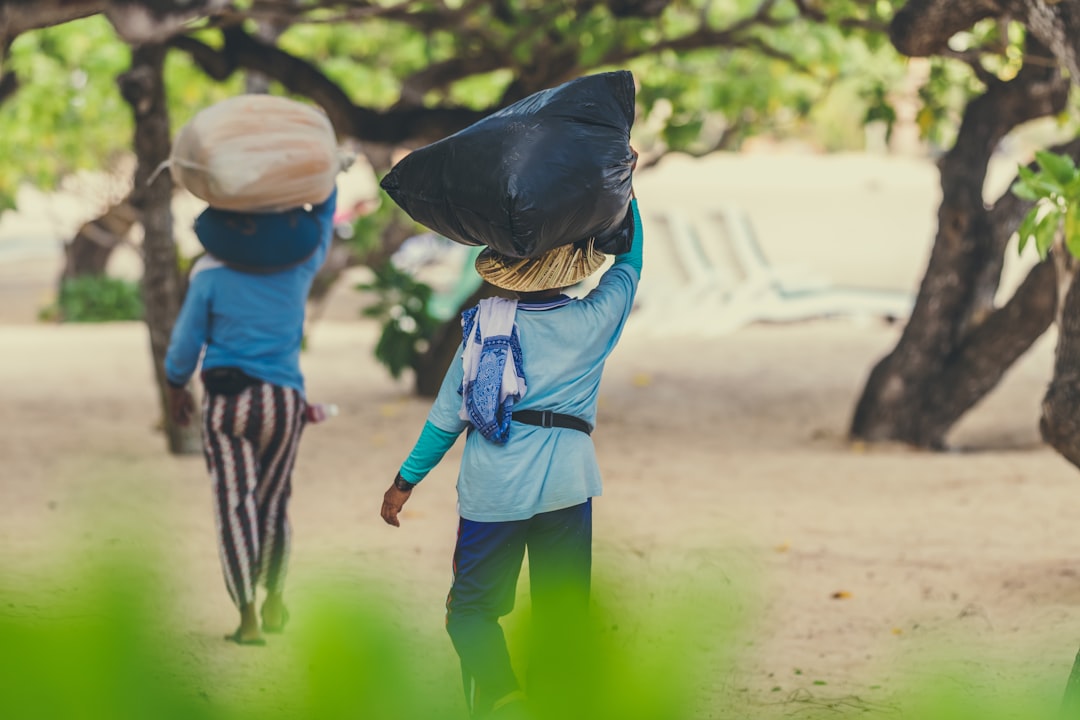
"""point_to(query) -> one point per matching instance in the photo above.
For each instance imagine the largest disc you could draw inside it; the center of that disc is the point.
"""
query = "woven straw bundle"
(257, 153)
(561, 267)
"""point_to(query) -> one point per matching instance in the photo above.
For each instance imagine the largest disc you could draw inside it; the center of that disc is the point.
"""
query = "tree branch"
(990, 350)
(440, 75)
(390, 127)
(816, 14)
(19, 16)
(923, 27)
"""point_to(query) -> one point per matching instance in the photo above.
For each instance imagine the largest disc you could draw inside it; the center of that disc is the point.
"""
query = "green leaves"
(1072, 229)
(1045, 230)
(92, 299)
(708, 77)
(401, 306)
(1027, 225)
(1055, 190)
(1025, 191)
(68, 114)
(1060, 168)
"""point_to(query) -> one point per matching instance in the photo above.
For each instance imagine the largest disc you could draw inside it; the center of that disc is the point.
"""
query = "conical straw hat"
(562, 267)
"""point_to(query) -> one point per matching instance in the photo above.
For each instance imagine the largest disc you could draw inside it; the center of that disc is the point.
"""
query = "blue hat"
(262, 242)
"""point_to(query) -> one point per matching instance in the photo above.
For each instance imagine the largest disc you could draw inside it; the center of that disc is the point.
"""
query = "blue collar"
(546, 304)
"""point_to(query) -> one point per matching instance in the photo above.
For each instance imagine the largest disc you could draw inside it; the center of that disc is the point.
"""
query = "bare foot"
(274, 613)
(240, 638)
(248, 633)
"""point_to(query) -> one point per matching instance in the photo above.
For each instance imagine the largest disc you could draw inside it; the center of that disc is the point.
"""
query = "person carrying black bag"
(524, 385)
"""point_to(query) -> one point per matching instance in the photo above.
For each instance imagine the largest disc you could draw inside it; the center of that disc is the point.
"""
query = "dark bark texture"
(1060, 422)
(143, 88)
(1056, 25)
(18, 16)
(956, 347)
(924, 27)
(88, 252)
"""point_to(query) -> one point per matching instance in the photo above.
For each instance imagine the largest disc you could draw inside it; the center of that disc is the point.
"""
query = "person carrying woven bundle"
(247, 328)
(266, 166)
(524, 385)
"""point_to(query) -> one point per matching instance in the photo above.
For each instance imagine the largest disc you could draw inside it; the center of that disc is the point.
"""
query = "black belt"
(227, 380)
(548, 419)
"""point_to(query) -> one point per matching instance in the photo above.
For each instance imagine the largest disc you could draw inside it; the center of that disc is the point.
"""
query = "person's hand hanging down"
(181, 405)
(394, 499)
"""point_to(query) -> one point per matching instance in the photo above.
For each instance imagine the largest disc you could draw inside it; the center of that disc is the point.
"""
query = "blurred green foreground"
(106, 657)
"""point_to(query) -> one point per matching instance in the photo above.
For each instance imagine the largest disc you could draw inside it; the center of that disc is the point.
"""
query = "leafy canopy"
(68, 114)
(711, 74)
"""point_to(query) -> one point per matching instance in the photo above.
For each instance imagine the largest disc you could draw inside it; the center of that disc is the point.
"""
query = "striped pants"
(250, 441)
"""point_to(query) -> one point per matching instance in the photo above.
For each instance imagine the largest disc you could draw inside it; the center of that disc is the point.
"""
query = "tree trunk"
(89, 251)
(1060, 422)
(143, 88)
(955, 347)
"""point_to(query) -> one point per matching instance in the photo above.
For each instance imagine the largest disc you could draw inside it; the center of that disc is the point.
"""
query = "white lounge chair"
(716, 264)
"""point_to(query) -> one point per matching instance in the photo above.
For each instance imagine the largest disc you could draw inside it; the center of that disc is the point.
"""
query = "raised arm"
(634, 256)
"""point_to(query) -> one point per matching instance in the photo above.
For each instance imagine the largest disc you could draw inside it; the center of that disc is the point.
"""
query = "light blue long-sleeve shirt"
(254, 322)
(564, 349)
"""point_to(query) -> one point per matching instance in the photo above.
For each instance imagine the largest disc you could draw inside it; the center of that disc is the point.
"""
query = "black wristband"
(402, 484)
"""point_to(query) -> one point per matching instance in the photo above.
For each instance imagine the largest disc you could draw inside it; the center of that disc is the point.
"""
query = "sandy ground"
(858, 571)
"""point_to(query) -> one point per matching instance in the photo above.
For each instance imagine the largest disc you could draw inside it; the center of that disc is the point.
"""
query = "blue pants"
(487, 562)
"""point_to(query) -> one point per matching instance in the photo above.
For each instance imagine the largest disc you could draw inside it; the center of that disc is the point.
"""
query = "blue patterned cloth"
(494, 379)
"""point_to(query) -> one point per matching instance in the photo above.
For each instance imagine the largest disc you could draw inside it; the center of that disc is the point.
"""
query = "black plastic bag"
(549, 170)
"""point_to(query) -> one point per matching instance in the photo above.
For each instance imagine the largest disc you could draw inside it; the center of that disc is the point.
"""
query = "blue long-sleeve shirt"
(254, 322)
(564, 349)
